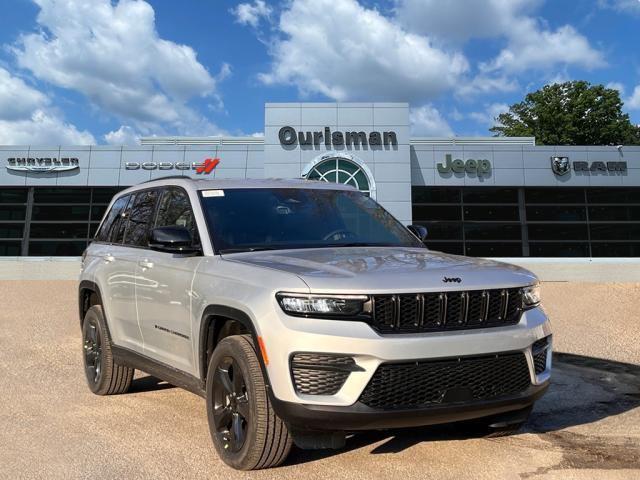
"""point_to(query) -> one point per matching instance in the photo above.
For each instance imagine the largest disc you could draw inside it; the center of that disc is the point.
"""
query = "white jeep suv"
(302, 311)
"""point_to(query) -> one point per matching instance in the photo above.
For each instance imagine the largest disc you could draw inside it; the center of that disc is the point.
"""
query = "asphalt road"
(51, 426)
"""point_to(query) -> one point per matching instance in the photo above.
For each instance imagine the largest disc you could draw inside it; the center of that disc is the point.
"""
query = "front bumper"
(360, 417)
(288, 335)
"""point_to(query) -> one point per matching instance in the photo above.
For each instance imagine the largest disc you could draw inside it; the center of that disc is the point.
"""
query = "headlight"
(531, 296)
(322, 305)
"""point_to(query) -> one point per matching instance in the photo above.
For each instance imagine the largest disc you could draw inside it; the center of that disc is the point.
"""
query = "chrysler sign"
(42, 164)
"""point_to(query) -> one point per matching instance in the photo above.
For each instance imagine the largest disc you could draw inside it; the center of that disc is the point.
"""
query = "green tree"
(570, 113)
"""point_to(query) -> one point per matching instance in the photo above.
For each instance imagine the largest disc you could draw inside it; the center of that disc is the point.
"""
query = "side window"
(104, 233)
(140, 217)
(120, 226)
(174, 209)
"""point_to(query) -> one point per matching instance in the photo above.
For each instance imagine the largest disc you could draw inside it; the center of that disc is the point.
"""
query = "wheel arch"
(88, 296)
(212, 324)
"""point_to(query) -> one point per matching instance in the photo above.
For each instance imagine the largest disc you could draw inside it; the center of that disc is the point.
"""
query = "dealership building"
(489, 197)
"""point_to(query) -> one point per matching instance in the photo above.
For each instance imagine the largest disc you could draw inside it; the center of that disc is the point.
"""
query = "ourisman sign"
(289, 136)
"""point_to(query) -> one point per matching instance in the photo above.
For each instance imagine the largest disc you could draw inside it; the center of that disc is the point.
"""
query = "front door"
(163, 289)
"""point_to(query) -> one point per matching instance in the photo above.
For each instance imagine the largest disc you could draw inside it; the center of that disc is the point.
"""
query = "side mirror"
(172, 240)
(419, 231)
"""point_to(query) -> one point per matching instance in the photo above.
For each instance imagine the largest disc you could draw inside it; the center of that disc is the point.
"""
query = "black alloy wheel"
(92, 353)
(231, 411)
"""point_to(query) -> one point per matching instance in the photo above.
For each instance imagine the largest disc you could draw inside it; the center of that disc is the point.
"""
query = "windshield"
(281, 218)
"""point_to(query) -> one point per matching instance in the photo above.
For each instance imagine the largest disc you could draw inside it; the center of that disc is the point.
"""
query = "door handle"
(108, 258)
(145, 264)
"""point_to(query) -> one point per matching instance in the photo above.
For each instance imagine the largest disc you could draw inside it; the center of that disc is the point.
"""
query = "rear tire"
(104, 376)
(246, 432)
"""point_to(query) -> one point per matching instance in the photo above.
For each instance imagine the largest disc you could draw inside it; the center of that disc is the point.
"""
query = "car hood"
(387, 269)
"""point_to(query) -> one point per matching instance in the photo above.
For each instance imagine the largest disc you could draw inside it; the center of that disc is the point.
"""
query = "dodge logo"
(560, 165)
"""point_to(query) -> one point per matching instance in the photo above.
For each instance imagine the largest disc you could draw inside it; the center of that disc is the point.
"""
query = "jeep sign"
(470, 166)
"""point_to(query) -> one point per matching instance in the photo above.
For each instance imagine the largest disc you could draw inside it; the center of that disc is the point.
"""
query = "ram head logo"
(560, 165)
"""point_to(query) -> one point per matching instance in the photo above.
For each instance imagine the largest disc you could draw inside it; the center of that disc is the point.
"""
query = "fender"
(93, 287)
(238, 316)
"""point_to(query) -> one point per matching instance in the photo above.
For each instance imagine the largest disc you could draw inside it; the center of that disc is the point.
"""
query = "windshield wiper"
(245, 249)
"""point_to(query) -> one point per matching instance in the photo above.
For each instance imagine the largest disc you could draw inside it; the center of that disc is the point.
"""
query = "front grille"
(432, 312)
(319, 373)
(439, 382)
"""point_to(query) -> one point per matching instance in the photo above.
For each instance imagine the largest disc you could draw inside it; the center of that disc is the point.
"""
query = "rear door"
(116, 275)
(163, 288)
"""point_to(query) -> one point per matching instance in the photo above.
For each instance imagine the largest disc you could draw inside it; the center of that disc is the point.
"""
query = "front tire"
(246, 432)
(104, 376)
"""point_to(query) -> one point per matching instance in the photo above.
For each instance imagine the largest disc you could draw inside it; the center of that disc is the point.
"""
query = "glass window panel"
(492, 231)
(58, 248)
(618, 213)
(140, 217)
(67, 213)
(615, 231)
(599, 249)
(11, 230)
(490, 195)
(563, 249)
(104, 195)
(92, 229)
(174, 209)
(97, 212)
(443, 230)
(554, 195)
(10, 249)
(491, 212)
(453, 247)
(557, 231)
(557, 213)
(13, 195)
(501, 249)
(12, 213)
(62, 195)
(613, 195)
(435, 195)
(119, 227)
(425, 213)
(58, 230)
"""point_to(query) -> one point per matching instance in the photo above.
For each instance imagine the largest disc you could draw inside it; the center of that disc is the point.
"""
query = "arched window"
(339, 169)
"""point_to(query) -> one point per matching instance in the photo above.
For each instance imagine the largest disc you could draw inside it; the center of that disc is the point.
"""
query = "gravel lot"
(51, 426)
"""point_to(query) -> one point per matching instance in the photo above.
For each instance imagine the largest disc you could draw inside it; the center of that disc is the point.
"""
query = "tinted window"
(62, 195)
(12, 213)
(494, 249)
(114, 213)
(423, 213)
(104, 195)
(58, 230)
(491, 213)
(620, 231)
(557, 231)
(10, 249)
(554, 195)
(443, 230)
(563, 249)
(11, 230)
(490, 195)
(279, 218)
(435, 195)
(492, 231)
(57, 248)
(120, 225)
(174, 209)
(140, 218)
(614, 195)
(446, 247)
(13, 195)
(620, 213)
(60, 212)
(557, 213)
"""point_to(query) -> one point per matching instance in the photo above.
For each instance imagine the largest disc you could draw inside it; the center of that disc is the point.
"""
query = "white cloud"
(251, 14)
(113, 55)
(488, 117)
(42, 128)
(427, 121)
(461, 20)
(17, 99)
(484, 84)
(616, 86)
(356, 53)
(624, 6)
(125, 135)
(633, 102)
(530, 45)
(26, 117)
(530, 48)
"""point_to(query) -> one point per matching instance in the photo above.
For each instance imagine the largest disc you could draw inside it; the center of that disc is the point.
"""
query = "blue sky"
(100, 71)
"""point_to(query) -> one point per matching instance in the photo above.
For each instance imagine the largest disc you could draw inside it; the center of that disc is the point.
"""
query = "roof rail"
(168, 177)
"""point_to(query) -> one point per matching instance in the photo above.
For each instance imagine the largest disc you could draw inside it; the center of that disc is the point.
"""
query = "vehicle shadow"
(583, 390)
(148, 383)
